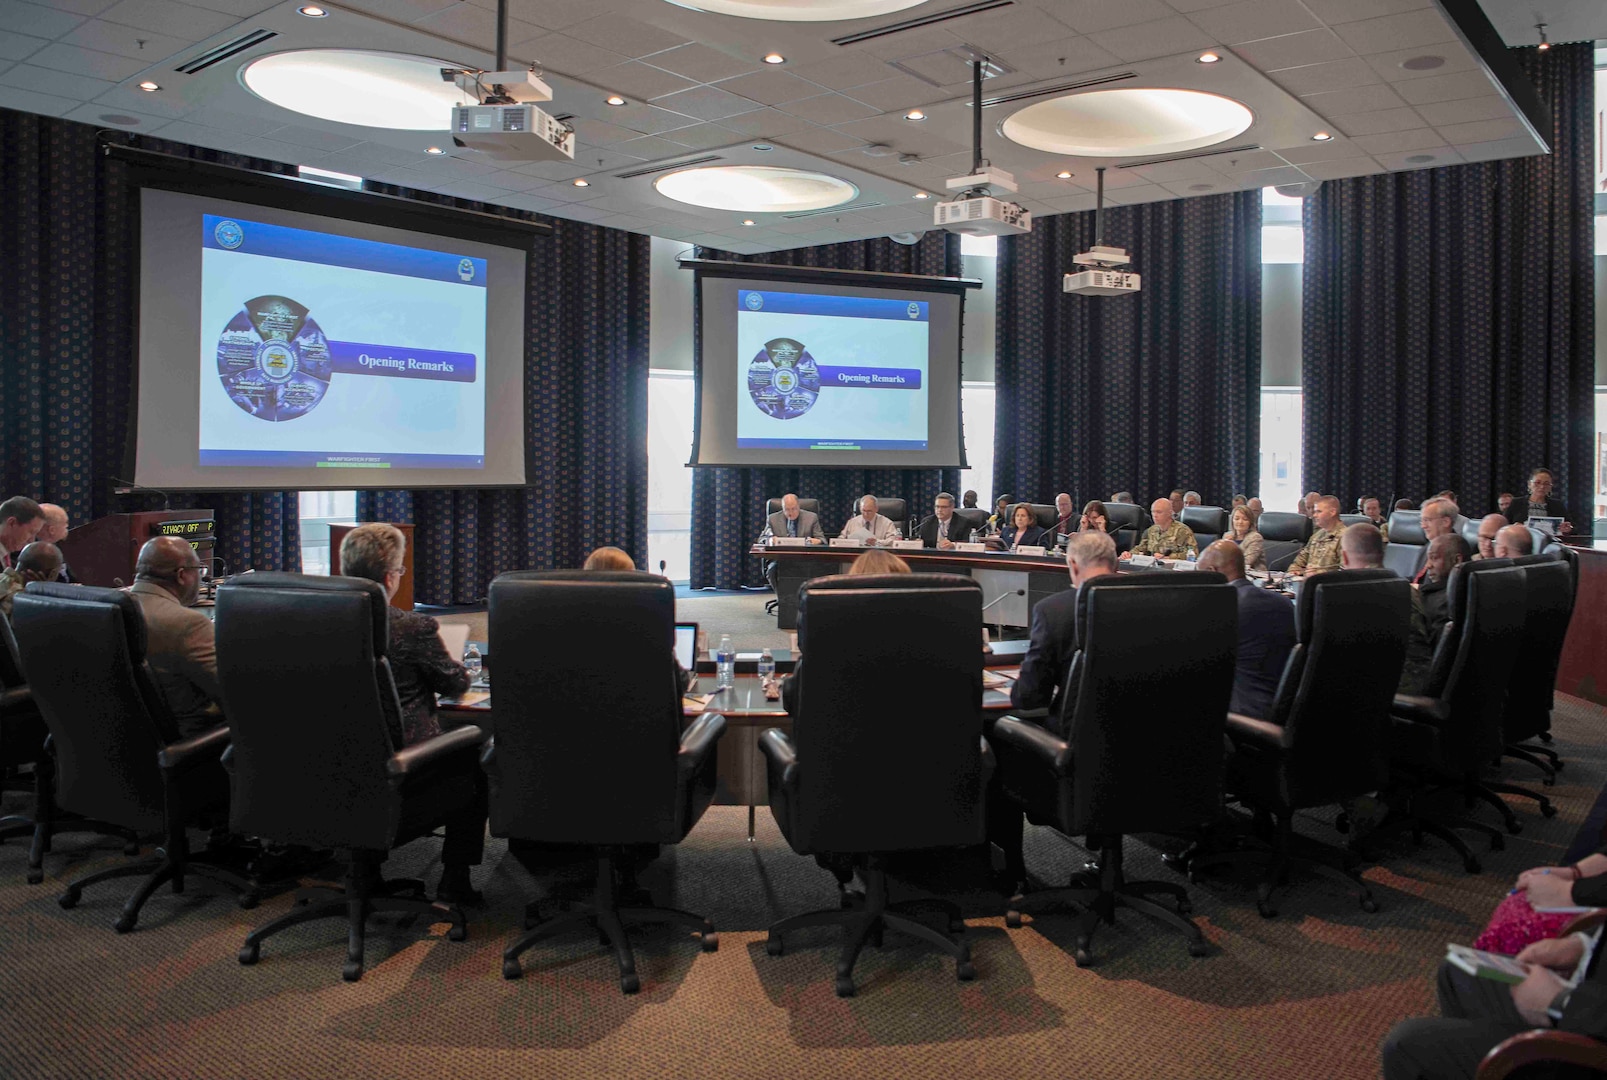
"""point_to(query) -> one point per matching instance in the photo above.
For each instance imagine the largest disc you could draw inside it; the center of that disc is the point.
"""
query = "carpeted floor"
(1307, 994)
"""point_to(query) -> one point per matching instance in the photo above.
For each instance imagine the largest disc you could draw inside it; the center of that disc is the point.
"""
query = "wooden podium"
(104, 551)
(404, 592)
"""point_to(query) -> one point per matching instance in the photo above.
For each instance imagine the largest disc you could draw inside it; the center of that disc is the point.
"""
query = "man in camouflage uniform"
(1167, 538)
(39, 561)
(1322, 550)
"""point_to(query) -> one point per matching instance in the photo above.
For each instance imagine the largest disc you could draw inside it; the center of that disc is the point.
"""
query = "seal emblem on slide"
(783, 380)
(273, 360)
(228, 234)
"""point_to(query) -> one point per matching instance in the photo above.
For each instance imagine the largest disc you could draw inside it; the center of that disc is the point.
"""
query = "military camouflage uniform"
(1320, 553)
(1176, 541)
(11, 583)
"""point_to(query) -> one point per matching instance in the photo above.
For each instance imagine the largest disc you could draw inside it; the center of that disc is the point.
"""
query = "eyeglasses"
(397, 570)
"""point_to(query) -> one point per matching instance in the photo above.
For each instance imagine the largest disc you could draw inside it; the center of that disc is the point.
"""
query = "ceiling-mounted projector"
(508, 126)
(976, 210)
(1105, 279)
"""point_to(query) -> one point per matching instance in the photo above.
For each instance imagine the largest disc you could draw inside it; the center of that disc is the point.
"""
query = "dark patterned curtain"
(1448, 325)
(67, 345)
(585, 389)
(728, 504)
(1146, 392)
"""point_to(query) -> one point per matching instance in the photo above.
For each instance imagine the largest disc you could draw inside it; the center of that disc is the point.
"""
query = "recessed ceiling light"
(1321, 136)
(774, 58)
(1063, 175)
(763, 148)
(915, 114)
(1119, 123)
(761, 189)
(581, 181)
(149, 87)
(351, 86)
(922, 195)
(312, 11)
(799, 10)
(749, 221)
(1207, 58)
(615, 99)
(433, 150)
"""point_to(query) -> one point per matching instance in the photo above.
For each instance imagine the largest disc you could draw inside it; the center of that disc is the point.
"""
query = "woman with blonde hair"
(1241, 530)
(879, 561)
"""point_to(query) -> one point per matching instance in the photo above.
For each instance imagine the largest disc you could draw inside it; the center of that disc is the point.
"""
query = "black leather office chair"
(894, 510)
(1207, 522)
(1549, 591)
(1354, 519)
(118, 754)
(1469, 531)
(1127, 522)
(1326, 739)
(1408, 545)
(887, 753)
(1443, 737)
(590, 748)
(973, 519)
(1150, 637)
(308, 693)
(1285, 534)
(1044, 515)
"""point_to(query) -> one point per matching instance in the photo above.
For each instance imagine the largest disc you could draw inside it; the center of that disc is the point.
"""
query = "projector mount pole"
(499, 94)
(1099, 207)
(976, 115)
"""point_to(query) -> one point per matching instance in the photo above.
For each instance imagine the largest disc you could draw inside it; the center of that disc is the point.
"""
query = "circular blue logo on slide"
(782, 379)
(228, 234)
(466, 269)
(914, 310)
(273, 360)
(755, 301)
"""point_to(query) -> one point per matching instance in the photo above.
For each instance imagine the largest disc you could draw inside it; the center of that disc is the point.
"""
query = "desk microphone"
(129, 488)
(1001, 596)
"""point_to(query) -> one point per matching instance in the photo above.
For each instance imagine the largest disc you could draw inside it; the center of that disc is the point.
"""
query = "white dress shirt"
(878, 528)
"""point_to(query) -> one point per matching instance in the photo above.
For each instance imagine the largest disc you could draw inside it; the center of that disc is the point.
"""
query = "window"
(1281, 417)
(669, 481)
(1283, 239)
(318, 509)
(976, 407)
(1600, 469)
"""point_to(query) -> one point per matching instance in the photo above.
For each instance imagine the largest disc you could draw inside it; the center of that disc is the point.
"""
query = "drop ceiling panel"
(1294, 50)
(1253, 20)
(1091, 16)
(1148, 40)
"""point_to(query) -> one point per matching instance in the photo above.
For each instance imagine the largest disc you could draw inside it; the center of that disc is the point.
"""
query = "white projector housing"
(1102, 283)
(982, 216)
(512, 133)
(524, 87)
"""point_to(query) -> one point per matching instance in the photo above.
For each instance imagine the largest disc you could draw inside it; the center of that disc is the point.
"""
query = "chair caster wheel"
(845, 986)
(1547, 810)
(1369, 905)
(1472, 865)
(69, 899)
(1012, 919)
(773, 946)
(459, 932)
(248, 955)
(1550, 781)
(1199, 948)
(1267, 910)
(35, 875)
(1342, 822)
(1514, 826)
(1184, 907)
(249, 900)
(1083, 956)
(131, 848)
(629, 983)
(711, 941)
(125, 922)
(352, 970)
(964, 971)
(511, 970)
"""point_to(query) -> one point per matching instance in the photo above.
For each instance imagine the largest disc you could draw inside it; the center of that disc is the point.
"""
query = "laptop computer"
(686, 645)
(1551, 526)
(455, 636)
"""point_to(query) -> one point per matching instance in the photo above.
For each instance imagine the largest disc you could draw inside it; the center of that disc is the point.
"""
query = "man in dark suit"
(20, 521)
(791, 520)
(1266, 632)
(1054, 627)
(940, 530)
(1539, 502)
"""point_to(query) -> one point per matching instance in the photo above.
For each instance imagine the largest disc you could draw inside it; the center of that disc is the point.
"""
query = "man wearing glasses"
(179, 643)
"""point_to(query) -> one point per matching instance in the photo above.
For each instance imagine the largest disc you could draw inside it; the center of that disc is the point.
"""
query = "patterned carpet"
(1309, 993)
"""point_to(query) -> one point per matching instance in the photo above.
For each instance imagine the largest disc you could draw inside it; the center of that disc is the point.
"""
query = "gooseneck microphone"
(129, 487)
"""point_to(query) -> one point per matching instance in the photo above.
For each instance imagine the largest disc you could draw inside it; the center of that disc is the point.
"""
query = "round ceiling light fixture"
(313, 11)
(1208, 58)
(756, 189)
(1122, 123)
(615, 100)
(352, 86)
(799, 10)
(149, 87)
(436, 150)
(915, 114)
(774, 58)
(1321, 136)
(1063, 175)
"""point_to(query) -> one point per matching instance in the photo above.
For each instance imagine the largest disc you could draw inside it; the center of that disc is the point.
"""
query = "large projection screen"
(287, 350)
(805, 370)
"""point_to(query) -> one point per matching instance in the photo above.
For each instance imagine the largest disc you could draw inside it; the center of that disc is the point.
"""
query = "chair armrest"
(186, 754)
(1034, 740)
(1420, 710)
(411, 760)
(1249, 729)
(781, 757)
(698, 741)
(1540, 1045)
(989, 762)
(14, 698)
(1584, 924)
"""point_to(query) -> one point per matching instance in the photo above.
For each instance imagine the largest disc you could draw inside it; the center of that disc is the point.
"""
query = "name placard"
(847, 541)
(908, 545)
(970, 547)
(1184, 564)
(789, 541)
(1032, 549)
(1142, 560)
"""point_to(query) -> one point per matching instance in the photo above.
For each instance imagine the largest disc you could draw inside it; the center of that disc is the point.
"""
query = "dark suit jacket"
(421, 669)
(1266, 634)
(808, 524)
(1049, 651)
(958, 531)
(1518, 512)
(1031, 535)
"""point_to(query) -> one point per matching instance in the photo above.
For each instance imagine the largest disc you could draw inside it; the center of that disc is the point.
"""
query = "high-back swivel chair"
(1284, 535)
(1408, 544)
(1208, 523)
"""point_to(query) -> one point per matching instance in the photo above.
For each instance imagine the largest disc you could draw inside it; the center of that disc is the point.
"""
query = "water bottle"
(767, 666)
(471, 661)
(974, 536)
(726, 658)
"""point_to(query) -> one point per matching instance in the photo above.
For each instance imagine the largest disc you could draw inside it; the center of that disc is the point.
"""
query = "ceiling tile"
(844, 72)
(1161, 38)
(407, 11)
(764, 123)
(600, 133)
(15, 97)
(704, 136)
(1188, 189)
(1317, 78)
(42, 80)
(1496, 151)
(232, 121)
(1389, 64)
(909, 43)
(628, 36)
(1253, 20)
(1480, 131)
(578, 212)
(473, 189)
(770, 87)
(527, 202)
(125, 41)
(1135, 193)
(566, 192)
(373, 156)
(565, 55)
(648, 119)
(901, 92)
(1287, 174)
(700, 63)
(82, 7)
(1050, 60)
(638, 80)
(1394, 141)
(19, 46)
(1173, 171)
(1090, 16)
(1463, 84)
(1003, 28)
(553, 14)
(1393, 32)
(651, 148)
(474, 25)
(1336, 170)
(1376, 123)
(707, 103)
(1359, 99)
(1294, 50)
(196, 135)
(1332, 150)
(165, 17)
(820, 141)
(1434, 158)
(1334, 12)
(240, 9)
(93, 112)
(74, 60)
(315, 138)
(516, 181)
(1464, 111)
(281, 152)
(828, 109)
(35, 20)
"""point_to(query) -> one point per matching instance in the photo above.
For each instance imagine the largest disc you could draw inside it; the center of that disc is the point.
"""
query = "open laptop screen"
(686, 644)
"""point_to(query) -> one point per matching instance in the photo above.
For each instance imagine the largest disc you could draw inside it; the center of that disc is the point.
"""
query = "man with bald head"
(1321, 552)
(1168, 538)
(790, 520)
(1489, 525)
(1266, 632)
(1310, 503)
(1066, 516)
(54, 531)
(1444, 555)
(1053, 637)
(39, 561)
(869, 525)
(179, 643)
(1514, 542)
(1361, 547)
(1438, 516)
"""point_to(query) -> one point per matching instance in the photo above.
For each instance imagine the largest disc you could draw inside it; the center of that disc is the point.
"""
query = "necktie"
(792, 526)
